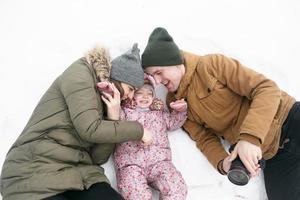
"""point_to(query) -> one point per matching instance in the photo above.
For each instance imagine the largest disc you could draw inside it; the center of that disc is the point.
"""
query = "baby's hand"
(157, 104)
(147, 137)
(179, 105)
(105, 87)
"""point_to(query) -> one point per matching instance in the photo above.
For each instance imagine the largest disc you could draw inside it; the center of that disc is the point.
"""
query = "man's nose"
(157, 79)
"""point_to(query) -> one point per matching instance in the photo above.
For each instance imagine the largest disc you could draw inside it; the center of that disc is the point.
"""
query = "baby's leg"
(132, 183)
(168, 180)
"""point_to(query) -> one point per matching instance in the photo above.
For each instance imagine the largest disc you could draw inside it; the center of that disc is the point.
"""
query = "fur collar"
(99, 58)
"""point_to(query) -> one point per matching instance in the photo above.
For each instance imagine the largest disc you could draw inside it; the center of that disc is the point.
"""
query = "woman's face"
(128, 91)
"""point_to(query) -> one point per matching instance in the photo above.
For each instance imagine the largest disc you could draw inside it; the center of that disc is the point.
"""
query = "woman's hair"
(118, 86)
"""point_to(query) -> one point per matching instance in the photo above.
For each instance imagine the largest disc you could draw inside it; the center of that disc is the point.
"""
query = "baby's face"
(143, 97)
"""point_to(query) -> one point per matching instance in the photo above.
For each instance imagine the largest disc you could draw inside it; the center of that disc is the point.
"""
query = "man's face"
(169, 76)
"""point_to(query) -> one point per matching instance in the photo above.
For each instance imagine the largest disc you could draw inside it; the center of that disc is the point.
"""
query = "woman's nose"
(130, 95)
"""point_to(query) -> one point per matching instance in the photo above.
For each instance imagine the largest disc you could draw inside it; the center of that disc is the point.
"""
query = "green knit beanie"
(161, 50)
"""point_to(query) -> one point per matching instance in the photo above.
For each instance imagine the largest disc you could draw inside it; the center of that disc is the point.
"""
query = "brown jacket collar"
(190, 62)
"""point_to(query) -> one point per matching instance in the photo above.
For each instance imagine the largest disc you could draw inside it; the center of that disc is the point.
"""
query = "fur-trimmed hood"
(99, 58)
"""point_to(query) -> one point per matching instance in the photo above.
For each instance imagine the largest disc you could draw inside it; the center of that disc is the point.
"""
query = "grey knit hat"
(127, 68)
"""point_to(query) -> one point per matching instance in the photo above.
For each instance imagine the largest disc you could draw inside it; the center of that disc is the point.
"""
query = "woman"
(59, 153)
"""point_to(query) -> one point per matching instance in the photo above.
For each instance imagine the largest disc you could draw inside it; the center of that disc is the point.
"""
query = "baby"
(139, 166)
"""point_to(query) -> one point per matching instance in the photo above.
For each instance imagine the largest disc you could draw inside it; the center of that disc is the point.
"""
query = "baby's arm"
(175, 119)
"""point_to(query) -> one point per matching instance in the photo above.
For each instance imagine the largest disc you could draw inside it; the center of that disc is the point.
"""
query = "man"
(230, 101)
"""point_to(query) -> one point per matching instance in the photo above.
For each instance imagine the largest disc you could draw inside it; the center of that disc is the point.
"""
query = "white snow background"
(39, 39)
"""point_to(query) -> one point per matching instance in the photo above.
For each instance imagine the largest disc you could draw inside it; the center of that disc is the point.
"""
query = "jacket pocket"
(217, 97)
(205, 89)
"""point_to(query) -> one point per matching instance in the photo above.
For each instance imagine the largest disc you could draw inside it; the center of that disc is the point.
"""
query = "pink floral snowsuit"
(137, 165)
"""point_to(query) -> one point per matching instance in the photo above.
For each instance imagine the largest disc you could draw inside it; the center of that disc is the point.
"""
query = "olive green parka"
(67, 138)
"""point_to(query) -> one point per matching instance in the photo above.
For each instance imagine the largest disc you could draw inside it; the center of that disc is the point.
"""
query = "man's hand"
(249, 154)
(179, 105)
(227, 163)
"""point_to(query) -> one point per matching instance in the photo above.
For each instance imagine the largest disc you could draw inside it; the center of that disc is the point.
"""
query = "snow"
(39, 39)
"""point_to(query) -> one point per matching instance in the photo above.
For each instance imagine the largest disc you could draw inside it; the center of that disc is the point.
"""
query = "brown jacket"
(226, 99)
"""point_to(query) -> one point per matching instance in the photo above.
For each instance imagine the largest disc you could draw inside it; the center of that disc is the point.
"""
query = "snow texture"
(39, 39)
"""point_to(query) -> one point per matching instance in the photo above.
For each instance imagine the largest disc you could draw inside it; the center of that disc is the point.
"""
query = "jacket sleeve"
(174, 120)
(78, 88)
(205, 138)
(208, 142)
(262, 92)
(100, 153)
